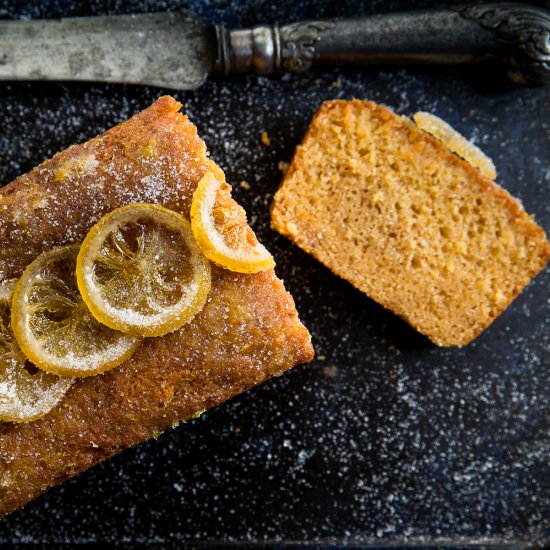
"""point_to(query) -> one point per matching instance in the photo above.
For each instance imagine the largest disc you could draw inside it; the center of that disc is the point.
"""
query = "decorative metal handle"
(513, 33)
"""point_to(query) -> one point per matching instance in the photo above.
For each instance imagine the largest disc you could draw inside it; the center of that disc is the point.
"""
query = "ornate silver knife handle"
(513, 33)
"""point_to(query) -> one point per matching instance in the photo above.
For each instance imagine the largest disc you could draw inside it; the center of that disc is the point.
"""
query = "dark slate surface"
(385, 439)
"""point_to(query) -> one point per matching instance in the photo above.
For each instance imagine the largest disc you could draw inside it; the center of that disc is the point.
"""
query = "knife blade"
(171, 50)
(179, 50)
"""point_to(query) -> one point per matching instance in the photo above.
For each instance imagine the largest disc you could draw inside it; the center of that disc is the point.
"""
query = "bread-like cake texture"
(416, 228)
(248, 331)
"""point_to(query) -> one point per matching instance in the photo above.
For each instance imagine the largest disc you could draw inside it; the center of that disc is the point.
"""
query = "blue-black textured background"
(385, 438)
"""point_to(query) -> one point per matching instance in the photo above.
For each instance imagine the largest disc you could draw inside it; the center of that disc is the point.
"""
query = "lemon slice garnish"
(53, 326)
(456, 142)
(140, 270)
(26, 393)
(220, 227)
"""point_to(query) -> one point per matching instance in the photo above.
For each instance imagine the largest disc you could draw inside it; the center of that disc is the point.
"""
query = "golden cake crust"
(416, 228)
(248, 331)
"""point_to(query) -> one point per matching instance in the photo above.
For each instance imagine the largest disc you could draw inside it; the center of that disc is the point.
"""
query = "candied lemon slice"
(140, 270)
(26, 393)
(53, 325)
(457, 143)
(220, 227)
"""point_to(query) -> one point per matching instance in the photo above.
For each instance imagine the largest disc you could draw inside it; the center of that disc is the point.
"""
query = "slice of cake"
(416, 228)
(247, 332)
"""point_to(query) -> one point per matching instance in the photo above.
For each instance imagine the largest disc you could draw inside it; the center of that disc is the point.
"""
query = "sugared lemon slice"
(53, 325)
(220, 227)
(456, 142)
(140, 271)
(26, 393)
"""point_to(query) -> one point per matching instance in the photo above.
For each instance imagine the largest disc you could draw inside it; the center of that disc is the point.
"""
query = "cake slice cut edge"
(412, 225)
(248, 331)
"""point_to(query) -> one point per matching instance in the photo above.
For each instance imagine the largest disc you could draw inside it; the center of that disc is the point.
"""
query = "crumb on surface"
(265, 139)
(330, 371)
(283, 166)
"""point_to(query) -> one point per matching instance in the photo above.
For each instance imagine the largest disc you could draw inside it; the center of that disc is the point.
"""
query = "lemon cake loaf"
(247, 330)
(416, 228)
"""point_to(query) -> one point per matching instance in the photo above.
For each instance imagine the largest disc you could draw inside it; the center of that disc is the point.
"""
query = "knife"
(179, 50)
